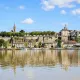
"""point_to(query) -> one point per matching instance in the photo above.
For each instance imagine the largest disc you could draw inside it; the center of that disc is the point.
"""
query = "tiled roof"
(70, 42)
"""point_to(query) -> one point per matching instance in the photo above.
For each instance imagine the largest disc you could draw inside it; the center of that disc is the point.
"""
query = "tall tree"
(22, 31)
(1, 42)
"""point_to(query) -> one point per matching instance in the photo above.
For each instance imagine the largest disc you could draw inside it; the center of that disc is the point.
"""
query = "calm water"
(40, 65)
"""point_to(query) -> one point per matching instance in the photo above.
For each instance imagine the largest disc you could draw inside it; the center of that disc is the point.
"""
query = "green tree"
(22, 31)
(26, 44)
(78, 39)
(5, 44)
(1, 42)
(39, 44)
(59, 43)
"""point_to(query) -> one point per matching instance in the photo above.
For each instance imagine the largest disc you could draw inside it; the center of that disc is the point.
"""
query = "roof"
(70, 42)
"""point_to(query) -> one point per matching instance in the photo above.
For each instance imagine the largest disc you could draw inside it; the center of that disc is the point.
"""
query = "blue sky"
(39, 15)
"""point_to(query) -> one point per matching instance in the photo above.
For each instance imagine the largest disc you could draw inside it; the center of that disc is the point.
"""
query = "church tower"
(65, 34)
(14, 28)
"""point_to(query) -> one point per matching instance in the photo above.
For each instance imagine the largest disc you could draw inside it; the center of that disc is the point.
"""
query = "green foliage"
(22, 31)
(5, 44)
(78, 39)
(1, 42)
(42, 33)
(59, 43)
(9, 34)
(26, 44)
(35, 46)
(39, 44)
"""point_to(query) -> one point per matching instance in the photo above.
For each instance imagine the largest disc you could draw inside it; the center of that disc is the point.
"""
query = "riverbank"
(39, 48)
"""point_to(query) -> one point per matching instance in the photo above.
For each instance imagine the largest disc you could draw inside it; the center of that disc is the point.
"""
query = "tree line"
(23, 33)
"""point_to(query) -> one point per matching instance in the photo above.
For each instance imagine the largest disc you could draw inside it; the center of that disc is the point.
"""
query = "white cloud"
(76, 11)
(47, 6)
(78, 1)
(67, 6)
(63, 12)
(27, 21)
(22, 7)
(50, 4)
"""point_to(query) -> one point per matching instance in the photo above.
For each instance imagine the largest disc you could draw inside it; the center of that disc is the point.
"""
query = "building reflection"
(64, 58)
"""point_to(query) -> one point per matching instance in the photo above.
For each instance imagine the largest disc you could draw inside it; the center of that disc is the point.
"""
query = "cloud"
(67, 6)
(63, 12)
(27, 21)
(22, 7)
(78, 1)
(47, 6)
(76, 11)
(50, 4)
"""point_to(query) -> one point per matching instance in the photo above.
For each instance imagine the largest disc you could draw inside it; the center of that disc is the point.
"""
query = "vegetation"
(23, 33)
(9, 34)
(4, 43)
(39, 44)
(1, 42)
(26, 44)
(42, 33)
(59, 43)
(78, 39)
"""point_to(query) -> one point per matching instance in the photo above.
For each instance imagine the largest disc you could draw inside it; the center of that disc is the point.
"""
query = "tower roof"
(14, 25)
(65, 28)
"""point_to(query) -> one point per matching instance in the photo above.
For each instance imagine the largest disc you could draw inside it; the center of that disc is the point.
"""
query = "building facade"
(64, 34)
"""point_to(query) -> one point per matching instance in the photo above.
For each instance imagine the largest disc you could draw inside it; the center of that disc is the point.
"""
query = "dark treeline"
(23, 33)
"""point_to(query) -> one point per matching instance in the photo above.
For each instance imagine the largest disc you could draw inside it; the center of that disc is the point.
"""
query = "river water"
(40, 65)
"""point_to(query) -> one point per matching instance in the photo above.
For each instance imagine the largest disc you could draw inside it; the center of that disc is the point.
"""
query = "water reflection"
(50, 58)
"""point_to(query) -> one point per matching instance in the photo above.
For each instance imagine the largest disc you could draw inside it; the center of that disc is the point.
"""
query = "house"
(19, 45)
(69, 44)
(73, 34)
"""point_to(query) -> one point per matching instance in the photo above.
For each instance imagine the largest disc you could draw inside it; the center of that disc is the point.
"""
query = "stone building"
(64, 34)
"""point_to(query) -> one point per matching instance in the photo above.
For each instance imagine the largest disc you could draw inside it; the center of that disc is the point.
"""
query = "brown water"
(40, 65)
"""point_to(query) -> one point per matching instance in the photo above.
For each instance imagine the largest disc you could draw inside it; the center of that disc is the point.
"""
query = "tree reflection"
(36, 58)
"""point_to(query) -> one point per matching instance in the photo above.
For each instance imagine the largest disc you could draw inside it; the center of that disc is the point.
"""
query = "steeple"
(14, 28)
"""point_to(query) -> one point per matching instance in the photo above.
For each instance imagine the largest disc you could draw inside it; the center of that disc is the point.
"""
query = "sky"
(39, 15)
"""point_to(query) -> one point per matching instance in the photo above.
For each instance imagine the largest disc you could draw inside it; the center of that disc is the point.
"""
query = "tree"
(35, 46)
(5, 44)
(39, 44)
(22, 31)
(43, 45)
(26, 44)
(1, 42)
(59, 43)
(78, 39)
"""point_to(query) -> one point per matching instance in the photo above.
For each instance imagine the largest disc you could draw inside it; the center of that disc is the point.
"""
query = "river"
(40, 65)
